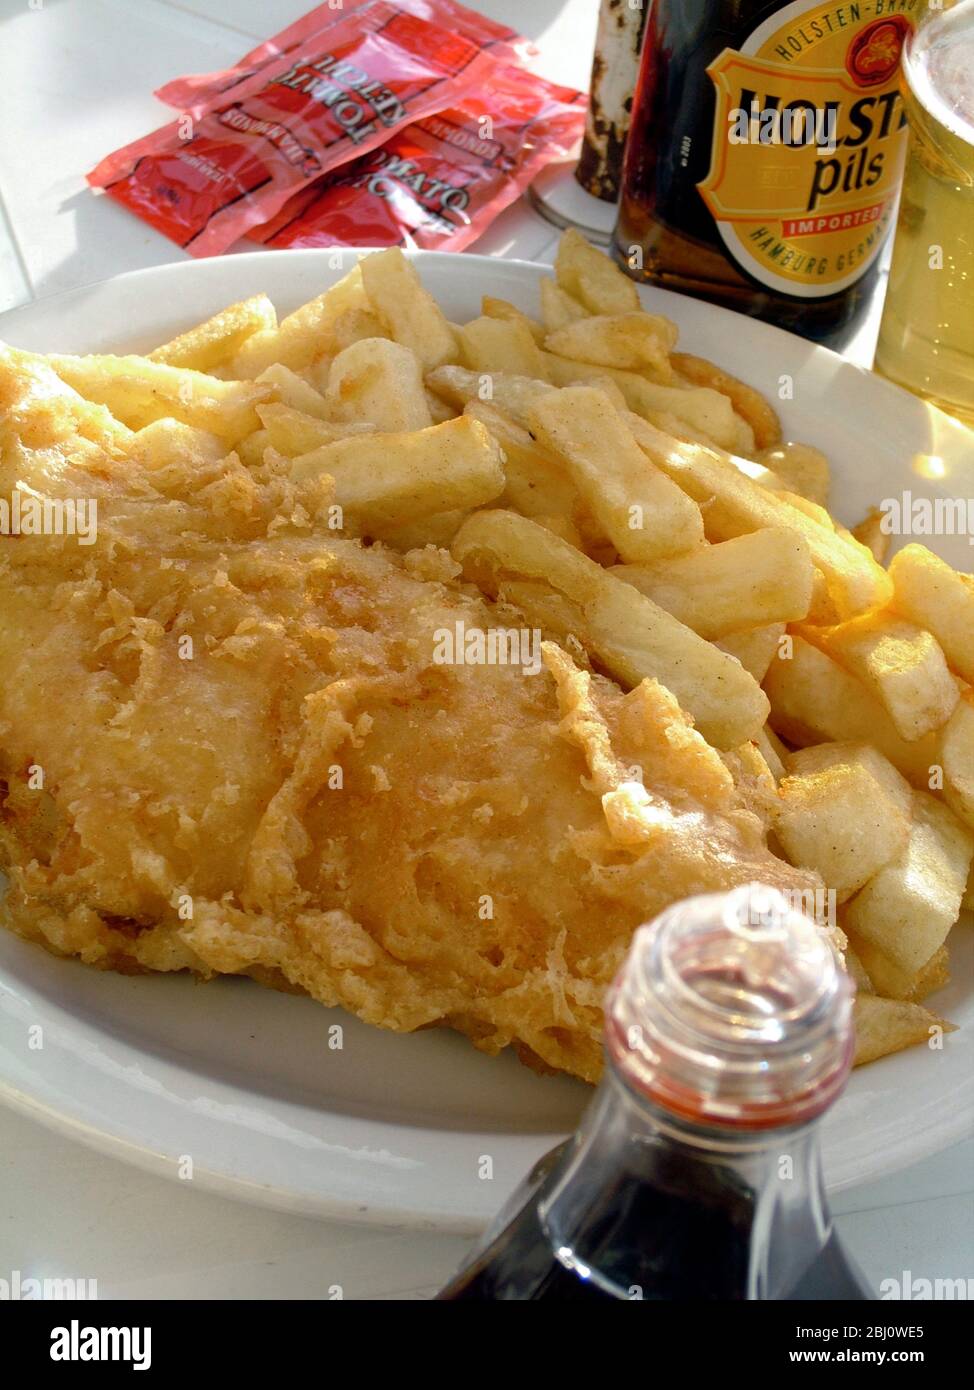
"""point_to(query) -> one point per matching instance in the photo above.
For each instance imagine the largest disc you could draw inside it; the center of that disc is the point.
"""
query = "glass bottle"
(765, 155)
(696, 1172)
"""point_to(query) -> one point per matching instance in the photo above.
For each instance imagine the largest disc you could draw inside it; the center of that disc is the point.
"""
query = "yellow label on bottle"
(809, 142)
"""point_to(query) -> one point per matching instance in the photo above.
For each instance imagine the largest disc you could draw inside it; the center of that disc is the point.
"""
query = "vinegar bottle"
(696, 1172)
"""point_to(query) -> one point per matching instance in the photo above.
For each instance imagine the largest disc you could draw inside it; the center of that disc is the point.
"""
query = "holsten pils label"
(809, 143)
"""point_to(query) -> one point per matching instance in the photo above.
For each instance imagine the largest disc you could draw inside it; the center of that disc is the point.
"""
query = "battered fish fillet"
(251, 761)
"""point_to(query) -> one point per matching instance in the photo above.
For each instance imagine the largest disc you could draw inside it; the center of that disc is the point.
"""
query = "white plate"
(391, 1128)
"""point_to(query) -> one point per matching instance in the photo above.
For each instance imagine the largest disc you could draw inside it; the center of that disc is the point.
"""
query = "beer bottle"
(765, 155)
(696, 1172)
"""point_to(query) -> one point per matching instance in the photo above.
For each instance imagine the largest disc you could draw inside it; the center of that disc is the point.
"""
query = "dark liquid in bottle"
(669, 153)
(668, 1229)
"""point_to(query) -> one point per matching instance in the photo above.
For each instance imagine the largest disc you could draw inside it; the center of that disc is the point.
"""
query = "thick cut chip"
(747, 402)
(736, 505)
(902, 664)
(938, 598)
(501, 345)
(890, 982)
(805, 762)
(871, 533)
(636, 342)
(628, 633)
(755, 648)
(889, 1025)
(504, 309)
(910, 905)
(815, 700)
(706, 413)
(752, 581)
(288, 388)
(508, 391)
(536, 484)
(138, 391)
(558, 308)
(379, 381)
(317, 329)
(643, 512)
(252, 450)
(840, 819)
(209, 344)
(955, 755)
(410, 313)
(801, 468)
(43, 419)
(291, 432)
(384, 480)
(592, 278)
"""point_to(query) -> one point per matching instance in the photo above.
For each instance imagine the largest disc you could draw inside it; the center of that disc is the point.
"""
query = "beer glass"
(926, 340)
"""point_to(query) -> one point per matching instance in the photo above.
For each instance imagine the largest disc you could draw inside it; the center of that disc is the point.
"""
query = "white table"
(77, 77)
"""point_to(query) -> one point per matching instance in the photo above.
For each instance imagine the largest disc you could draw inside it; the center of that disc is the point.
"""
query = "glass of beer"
(926, 341)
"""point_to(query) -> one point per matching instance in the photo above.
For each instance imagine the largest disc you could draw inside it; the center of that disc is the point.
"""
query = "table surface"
(78, 77)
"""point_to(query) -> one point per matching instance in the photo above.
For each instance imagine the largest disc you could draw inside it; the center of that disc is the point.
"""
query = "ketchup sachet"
(188, 92)
(206, 179)
(439, 182)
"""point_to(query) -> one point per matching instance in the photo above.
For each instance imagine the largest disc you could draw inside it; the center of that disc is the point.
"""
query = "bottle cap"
(733, 1009)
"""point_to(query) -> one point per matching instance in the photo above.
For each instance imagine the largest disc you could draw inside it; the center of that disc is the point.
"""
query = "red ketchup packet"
(439, 182)
(205, 180)
(506, 44)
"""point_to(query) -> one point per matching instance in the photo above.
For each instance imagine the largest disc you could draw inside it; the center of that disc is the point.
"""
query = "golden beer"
(926, 341)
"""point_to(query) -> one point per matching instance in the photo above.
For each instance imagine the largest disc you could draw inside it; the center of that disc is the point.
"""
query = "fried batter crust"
(251, 761)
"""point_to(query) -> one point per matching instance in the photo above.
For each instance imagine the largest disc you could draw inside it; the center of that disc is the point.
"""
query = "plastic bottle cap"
(733, 1009)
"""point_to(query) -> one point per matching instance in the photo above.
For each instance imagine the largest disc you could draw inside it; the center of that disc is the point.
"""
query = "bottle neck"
(640, 1190)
